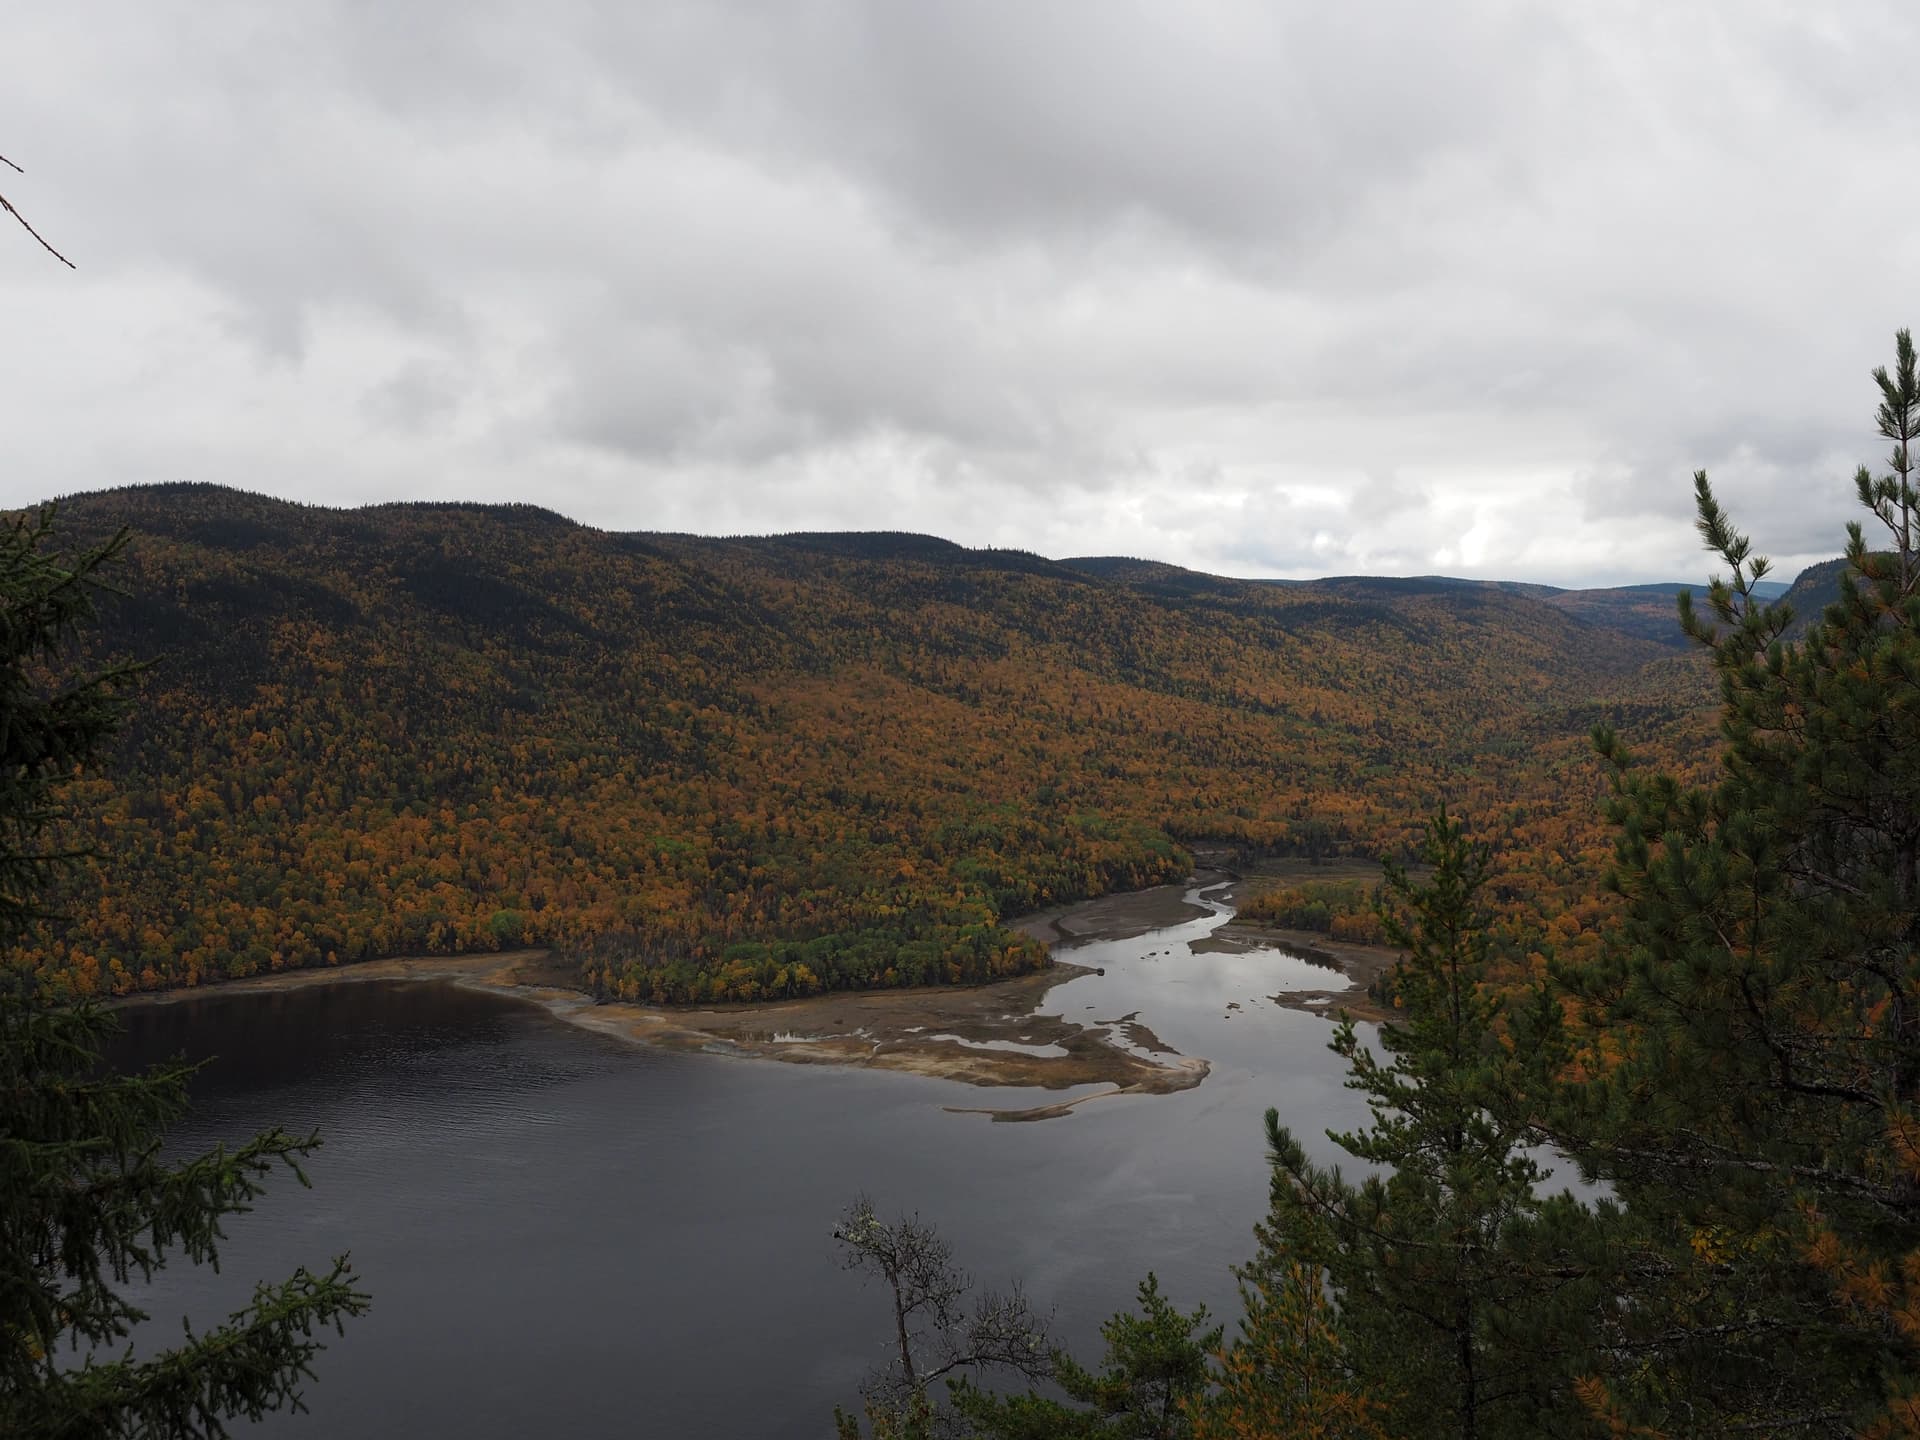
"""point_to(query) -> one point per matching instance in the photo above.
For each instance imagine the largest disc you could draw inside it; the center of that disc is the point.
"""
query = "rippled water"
(568, 1235)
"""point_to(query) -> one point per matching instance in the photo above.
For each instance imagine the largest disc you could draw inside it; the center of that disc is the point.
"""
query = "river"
(566, 1234)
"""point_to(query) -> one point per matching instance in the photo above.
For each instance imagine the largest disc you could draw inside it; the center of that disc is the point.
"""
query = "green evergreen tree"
(1761, 1117)
(1155, 1370)
(1459, 1287)
(1287, 1371)
(52, 722)
(86, 1203)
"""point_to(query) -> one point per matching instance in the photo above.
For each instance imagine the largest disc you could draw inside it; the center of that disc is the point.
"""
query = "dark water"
(568, 1235)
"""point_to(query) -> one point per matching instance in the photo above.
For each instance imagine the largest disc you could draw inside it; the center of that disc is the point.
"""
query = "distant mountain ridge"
(1813, 590)
(1132, 567)
(1640, 609)
(1646, 611)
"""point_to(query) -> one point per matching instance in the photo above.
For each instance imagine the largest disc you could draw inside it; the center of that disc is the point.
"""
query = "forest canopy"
(743, 769)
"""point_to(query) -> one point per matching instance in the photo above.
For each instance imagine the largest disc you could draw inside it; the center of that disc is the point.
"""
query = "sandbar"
(986, 1035)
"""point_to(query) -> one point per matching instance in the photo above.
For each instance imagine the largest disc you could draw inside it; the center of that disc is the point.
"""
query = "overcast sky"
(1262, 289)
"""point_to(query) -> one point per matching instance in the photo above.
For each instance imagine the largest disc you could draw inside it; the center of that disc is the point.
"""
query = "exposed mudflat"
(957, 1034)
(1117, 917)
(982, 1035)
(951, 1032)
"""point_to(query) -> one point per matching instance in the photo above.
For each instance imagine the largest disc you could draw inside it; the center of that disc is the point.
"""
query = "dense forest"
(743, 769)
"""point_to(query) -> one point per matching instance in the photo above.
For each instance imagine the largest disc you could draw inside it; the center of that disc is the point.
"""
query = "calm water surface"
(568, 1235)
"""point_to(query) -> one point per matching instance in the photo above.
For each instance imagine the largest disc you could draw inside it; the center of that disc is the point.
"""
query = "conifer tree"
(51, 722)
(1154, 1372)
(1287, 1371)
(1459, 1291)
(1762, 1121)
(86, 1202)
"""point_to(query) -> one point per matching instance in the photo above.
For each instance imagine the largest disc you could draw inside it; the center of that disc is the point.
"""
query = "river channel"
(567, 1234)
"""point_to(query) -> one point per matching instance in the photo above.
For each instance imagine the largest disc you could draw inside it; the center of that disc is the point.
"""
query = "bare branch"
(934, 1333)
(7, 205)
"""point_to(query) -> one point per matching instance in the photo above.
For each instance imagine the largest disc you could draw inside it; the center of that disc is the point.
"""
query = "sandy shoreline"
(954, 1033)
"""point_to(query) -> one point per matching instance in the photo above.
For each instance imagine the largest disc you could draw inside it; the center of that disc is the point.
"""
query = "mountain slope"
(732, 768)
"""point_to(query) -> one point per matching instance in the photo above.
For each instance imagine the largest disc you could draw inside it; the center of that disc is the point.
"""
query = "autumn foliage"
(736, 770)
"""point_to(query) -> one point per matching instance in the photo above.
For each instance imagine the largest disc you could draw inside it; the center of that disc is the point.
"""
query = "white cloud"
(1282, 289)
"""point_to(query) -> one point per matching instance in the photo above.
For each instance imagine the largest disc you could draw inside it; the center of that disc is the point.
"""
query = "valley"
(729, 771)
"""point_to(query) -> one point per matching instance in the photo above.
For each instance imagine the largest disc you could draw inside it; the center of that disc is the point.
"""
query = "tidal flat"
(1002, 1034)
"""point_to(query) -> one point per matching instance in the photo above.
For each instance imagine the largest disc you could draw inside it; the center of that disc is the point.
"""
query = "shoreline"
(952, 1033)
(983, 1035)
(921, 1031)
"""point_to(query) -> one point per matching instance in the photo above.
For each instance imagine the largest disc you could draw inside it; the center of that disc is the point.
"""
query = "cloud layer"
(1261, 289)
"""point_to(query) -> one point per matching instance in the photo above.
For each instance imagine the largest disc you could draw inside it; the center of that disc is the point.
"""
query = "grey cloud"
(1250, 128)
(413, 396)
(1288, 288)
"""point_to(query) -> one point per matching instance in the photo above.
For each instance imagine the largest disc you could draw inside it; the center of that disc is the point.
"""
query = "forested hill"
(733, 768)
